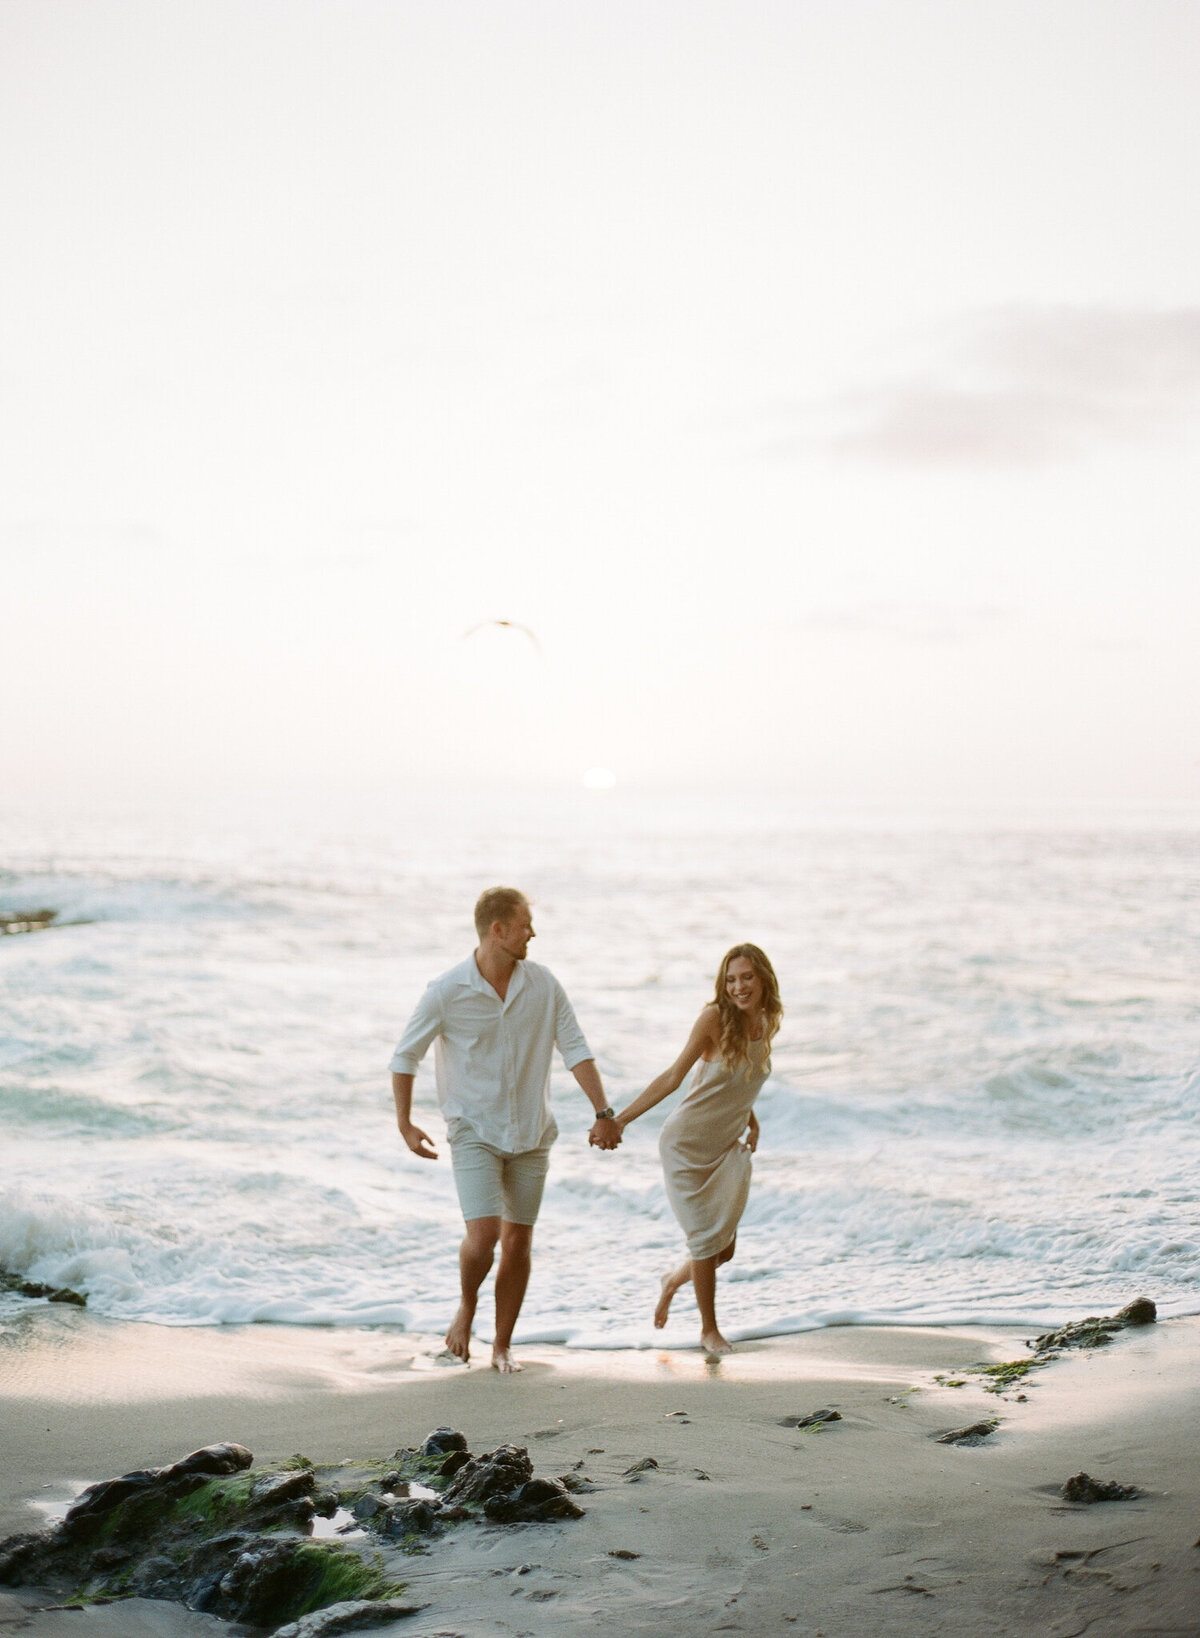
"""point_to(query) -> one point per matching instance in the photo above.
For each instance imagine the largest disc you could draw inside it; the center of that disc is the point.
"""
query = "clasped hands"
(605, 1134)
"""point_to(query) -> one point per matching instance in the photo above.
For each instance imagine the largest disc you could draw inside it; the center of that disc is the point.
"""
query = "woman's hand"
(752, 1133)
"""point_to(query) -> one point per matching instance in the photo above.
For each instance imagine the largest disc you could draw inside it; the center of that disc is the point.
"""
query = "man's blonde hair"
(497, 904)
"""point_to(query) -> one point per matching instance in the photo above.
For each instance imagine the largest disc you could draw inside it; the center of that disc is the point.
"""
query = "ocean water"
(983, 1105)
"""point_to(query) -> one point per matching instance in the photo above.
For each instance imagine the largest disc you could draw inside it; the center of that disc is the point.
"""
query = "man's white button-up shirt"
(492, 1057)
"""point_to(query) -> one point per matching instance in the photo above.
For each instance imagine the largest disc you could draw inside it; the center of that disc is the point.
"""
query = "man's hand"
(605, 1134)
(418, 1141)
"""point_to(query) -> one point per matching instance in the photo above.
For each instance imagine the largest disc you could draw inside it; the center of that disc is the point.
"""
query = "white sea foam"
(983, 1105)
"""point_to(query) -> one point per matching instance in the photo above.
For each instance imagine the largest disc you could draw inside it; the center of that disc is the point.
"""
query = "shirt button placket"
(510, 1086)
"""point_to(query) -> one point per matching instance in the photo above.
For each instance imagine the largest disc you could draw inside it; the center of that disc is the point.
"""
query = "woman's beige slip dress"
(705, 1168)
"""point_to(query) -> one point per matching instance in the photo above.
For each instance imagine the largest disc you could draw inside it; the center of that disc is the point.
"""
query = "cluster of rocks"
(34, 1288)
(238, 1549)
(500, 1485)
(1096, 1330)
(1080, 1489)
(210, 1533)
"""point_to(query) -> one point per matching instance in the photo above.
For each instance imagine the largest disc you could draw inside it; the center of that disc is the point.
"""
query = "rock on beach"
(212, 1534)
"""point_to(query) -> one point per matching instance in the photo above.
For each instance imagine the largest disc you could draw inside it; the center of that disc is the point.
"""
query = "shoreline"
(868, 1526)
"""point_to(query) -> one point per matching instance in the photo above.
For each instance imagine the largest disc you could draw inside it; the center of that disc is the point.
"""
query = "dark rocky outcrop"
(34, 1288)
(261, 1579)
(1095, 1331)
(442, 1441)
(499, 1473)
(533, 1502)
(159, 1486)
(416, 1516)
(1082, 1489)
(212, 1533)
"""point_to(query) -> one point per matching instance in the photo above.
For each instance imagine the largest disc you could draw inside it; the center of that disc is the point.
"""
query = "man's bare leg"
(474, 1261)
(671, 1283)
(512, 1277)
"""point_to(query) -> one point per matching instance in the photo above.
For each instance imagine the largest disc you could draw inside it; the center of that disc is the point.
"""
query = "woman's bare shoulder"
(710, 1020)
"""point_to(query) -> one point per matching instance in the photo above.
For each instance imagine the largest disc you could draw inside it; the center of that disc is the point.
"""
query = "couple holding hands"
(496, 1019)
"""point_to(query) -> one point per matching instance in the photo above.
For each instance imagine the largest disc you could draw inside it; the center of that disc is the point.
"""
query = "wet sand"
(865, 1526)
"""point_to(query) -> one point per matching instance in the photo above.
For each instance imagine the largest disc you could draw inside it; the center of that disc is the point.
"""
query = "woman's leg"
(678, 1278)
(704, 1282)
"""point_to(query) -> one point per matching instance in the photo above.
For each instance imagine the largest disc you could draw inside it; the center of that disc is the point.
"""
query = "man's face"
(513, 936)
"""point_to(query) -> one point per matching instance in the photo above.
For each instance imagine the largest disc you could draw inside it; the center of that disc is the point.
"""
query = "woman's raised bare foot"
(503, 1361)
(714, 1344)
(667, 1291)
(458, 1337)
(670, 1285)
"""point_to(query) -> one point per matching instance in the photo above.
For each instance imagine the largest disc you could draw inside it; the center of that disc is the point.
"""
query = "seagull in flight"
(509, 625)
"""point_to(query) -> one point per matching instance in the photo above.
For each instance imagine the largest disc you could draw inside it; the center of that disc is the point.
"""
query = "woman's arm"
(752, 1132)
(703, 1035)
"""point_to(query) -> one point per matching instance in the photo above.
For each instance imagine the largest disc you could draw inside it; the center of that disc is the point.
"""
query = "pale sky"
(820, 382)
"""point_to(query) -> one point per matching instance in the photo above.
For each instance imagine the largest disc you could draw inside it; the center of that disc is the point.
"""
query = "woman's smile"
(743, 986)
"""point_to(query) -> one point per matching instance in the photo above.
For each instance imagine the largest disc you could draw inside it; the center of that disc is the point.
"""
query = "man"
(496, 1018)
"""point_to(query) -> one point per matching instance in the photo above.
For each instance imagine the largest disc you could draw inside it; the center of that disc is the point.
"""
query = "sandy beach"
(745, 1524)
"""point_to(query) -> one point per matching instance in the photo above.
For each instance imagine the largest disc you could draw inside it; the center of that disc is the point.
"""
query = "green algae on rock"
(1008, 1374)
(1096, 1330)
(222, 1538)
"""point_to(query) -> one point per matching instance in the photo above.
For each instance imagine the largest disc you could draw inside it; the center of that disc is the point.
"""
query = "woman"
(706, 1162)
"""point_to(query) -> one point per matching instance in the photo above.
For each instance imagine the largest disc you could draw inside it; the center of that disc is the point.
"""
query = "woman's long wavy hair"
(735, 1041)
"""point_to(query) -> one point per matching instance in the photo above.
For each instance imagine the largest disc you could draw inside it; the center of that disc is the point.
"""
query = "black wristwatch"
(607, 1113)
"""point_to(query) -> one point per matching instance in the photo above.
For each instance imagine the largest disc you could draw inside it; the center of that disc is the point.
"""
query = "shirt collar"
(469, 974)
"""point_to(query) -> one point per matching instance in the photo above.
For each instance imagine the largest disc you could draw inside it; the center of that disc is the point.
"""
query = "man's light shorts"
(492, 1183)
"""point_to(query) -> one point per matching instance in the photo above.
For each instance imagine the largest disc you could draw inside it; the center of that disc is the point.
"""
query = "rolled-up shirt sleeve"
(568, 1036)
(422, 1028)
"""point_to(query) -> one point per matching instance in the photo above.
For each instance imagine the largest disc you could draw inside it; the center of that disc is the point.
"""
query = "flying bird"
(509, 625)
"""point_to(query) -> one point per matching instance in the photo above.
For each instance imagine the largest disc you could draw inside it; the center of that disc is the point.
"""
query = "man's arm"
(578, 1058)
(418, 1141)
(605, 1134)
(422, 1027)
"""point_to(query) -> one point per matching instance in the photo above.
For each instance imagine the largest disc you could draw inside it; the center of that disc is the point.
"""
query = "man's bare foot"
(714, 1344)
(670, 1285)
(458, 1337)
(503, 1361)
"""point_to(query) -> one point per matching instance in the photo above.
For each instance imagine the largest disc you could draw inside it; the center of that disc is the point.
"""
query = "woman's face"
(743, 986)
